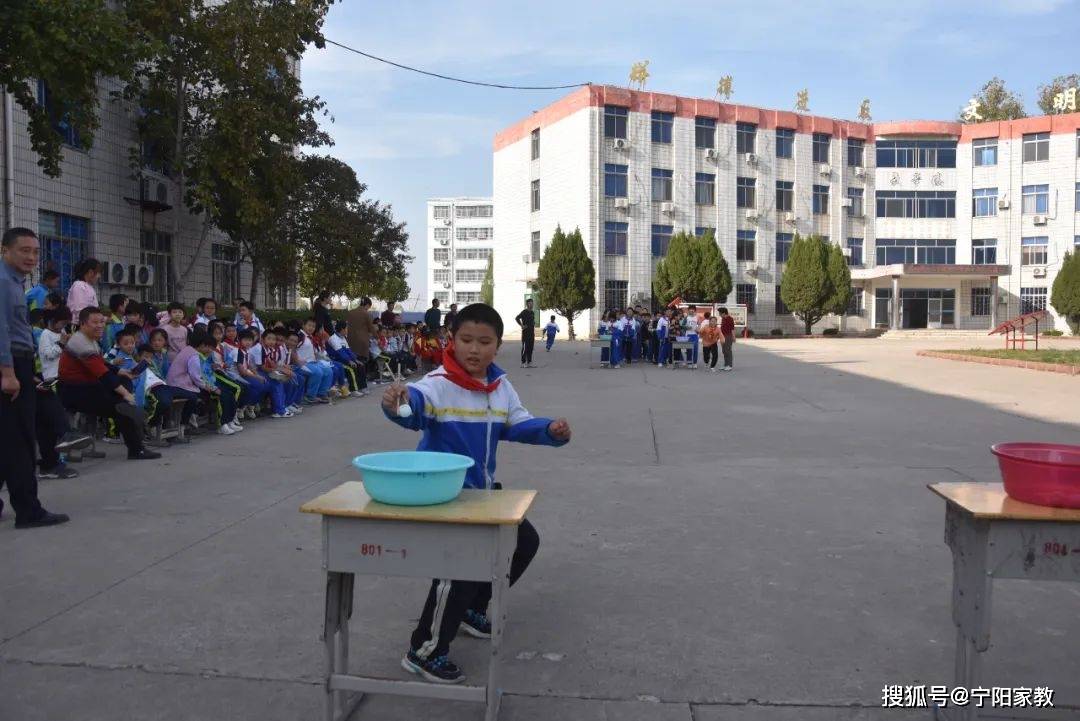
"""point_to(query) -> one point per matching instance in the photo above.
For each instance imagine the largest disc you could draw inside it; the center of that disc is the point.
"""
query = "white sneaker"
(297, 410)
(712, 370)
(726, 368)
(286, 414)
(193, 422)
(252, 413)
(236, 427)
(226, 430)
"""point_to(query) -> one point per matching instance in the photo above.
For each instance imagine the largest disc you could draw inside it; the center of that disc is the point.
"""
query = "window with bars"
(472, 253)
(469, 275)
(704, 132)
(745, 245)
(473, 211)
(441, 211)
(441, 275)
(474, 233)
(820, 147)
(662, 124)
(661, 185)
(615, 294)
(785, 195)
(785, 142)
(615, 235)
(745, 195)
(442, 234)
(1032, 299)
(225, 283)
(980, 301)
(466, 297)
(64, 240)
(746, 294)
(442, 254)
(443, 296)
(661, 238)
(705, 189)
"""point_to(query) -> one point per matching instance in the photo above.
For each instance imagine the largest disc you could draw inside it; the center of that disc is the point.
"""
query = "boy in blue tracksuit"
(617, 329)
(663, 337)
(549, 332)
(467, 406)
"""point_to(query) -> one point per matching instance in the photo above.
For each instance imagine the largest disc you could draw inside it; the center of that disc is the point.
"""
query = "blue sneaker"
(435, 670)
(476, 624)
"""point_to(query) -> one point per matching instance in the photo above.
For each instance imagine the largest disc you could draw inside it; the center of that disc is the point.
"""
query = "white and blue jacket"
(458, 420)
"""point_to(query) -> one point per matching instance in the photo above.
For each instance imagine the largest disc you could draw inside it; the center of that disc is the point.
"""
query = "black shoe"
(476, 624)
(59, 471)
(435, 670)
(129, 410)
(45, 519)
(93, 454)
(72, 440)
(143, 455)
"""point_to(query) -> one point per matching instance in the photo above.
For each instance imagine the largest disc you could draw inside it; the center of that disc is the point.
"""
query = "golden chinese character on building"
(723, 88)
(864, 110)
(971, 112)
(639, 73)
(802, 101)
(1065, 102)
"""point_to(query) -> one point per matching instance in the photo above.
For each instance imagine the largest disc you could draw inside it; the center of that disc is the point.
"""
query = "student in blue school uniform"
(605, 329)
(629, 334)
(663, 338)
(467, 406)
(549, 333)
(35, 297)
(618, 330)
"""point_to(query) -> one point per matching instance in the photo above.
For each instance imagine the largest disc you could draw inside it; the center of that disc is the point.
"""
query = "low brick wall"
(1030, 365)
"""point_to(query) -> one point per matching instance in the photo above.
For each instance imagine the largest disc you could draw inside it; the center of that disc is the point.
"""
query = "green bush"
(777, 331)
(1052, 333)
(831, 331)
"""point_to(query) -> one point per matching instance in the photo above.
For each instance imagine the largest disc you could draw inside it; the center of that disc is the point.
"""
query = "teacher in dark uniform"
(527, 320)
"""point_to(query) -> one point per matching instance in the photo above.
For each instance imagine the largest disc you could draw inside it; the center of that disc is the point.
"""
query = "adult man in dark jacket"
(361, 328)
(526, 319)
(433, 316)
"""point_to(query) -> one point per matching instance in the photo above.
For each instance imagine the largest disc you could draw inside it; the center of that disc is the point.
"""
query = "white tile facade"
(460, 236)
(574, 151)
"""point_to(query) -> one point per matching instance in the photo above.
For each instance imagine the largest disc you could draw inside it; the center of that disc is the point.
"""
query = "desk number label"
(376, 550)
(1053, 548)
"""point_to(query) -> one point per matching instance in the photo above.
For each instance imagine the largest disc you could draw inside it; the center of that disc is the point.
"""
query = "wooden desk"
(472, 538)
(689, 359)
(994, 536)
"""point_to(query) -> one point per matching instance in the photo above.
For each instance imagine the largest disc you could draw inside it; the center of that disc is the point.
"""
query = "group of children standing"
(638, 335)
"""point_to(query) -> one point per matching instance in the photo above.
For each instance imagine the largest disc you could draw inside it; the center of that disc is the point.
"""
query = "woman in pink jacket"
(82, 294)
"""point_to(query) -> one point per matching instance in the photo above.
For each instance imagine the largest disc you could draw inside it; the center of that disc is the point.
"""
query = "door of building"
(933, 313)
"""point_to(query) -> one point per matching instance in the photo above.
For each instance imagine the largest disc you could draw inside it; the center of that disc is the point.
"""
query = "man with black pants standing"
(433, 316)
(18, 424)
(527, 320)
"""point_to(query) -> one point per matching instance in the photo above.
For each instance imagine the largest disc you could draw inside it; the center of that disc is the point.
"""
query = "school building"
(945, 225)
(102, 207)
(460, 239)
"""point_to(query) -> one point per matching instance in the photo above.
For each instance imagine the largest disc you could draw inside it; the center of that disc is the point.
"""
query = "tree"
(839, 275)
(694, 269)
(66, 44)
(996, 102)
(393, 289)
(1058, 85)
(805, 287)
(566, 278)
(487, 288)
(1065, 295)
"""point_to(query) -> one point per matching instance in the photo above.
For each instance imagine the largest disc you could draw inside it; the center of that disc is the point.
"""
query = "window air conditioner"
(846, 252)
(1038, 272)
(846, 202)
(1039, 219)
(144, 275)
(619, 144)
(752, 216)
(825, 169)
(116, 273)
(445, 285)
(752, 269)
(622, 204)
(667, 207)
(711, 154)
(444, 241)
(1003, 204)
(751, 159)
(447, 221)
(860, 171)
(446, 263)
(790, 218)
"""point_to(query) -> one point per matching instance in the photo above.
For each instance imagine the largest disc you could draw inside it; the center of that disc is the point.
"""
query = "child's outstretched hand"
(560, 429)
(394, 396)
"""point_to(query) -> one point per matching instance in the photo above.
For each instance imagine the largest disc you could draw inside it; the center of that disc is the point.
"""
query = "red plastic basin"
(1046, 474)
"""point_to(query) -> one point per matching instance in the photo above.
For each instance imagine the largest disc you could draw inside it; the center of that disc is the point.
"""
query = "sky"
(411, 137)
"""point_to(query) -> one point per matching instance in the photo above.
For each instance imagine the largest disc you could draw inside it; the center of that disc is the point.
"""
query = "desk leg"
(331, 624)
(506, 542)
(339, 705)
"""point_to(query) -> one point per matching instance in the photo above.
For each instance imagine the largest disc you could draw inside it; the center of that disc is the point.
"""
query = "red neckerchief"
(456, 374)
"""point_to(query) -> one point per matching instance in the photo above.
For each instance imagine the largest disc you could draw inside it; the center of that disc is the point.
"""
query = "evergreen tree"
(566, 278)
(839, 280)
(487, 288)
(805, 287)
(716, 276)
(1065, 295)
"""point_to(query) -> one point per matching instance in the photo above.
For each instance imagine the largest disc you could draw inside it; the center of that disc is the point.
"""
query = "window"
(1033, 250)
(855, 203)
(980, 301)
(820, 147)
(984, 151)
(855, 151)
(443, 296)
(984, 251)
(472, 253)
(855, 254)
(661, 126)
(441, 275)
(704, 133)
(702, 230)
(855, 302)
(915, 250)
(916, 204)
(442, 234)
(615, 121)
(225, 278)
(442, 254)
(474, 233)
(746, 294)
(745, 240)
(783, 246)
(984, 202)
(785, 195)
(470, 275)
(661, 238)
(473, 211)
(744, 193)
(615, 238)
(535, 141)
(781, 309)
(1032, 299)
(1036, 147)
(464, 298)
(785, 142)
(745, 135)
(441, 211)
(1035, 199)
(57, 118)
(705, 189)
(535, 195)
(534, 246)
(661, 184)
(916, 153)
(615, 294)
(1076, 199)
(821, 200)
(615, 180)
(155, 250)
(65, 240)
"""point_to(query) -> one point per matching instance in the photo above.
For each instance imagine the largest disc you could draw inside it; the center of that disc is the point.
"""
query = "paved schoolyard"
(753, 546)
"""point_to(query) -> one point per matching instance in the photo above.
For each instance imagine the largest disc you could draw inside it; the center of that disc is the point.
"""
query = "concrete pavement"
(730, 547)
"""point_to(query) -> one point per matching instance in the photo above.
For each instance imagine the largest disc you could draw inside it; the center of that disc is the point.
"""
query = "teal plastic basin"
(413, 478)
